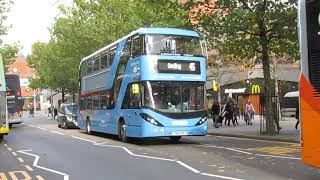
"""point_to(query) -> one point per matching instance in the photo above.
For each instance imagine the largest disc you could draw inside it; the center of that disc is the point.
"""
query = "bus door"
(132, 102)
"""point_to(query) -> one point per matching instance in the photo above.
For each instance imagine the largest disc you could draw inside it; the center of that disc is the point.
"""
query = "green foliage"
(89, 25)
(9, 52)
(237, 27)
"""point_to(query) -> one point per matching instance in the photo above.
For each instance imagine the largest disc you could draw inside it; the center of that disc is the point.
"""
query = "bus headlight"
(69, 118)
(150, 119)
(202, 120)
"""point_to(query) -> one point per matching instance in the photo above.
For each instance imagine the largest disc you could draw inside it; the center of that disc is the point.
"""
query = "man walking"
(215, 111)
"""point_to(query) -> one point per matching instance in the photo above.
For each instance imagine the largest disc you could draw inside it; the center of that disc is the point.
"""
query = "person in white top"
(249, 113)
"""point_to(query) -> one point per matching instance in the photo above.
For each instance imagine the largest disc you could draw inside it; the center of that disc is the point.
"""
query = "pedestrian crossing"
(276, 150)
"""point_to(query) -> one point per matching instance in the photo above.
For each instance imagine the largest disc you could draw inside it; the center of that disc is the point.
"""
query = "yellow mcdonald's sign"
(214, 85)
(255, 89)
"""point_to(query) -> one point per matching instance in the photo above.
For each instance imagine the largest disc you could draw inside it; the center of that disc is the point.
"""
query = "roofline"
(138, 31)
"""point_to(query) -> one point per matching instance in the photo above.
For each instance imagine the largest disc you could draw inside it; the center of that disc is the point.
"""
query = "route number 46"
(15, 175)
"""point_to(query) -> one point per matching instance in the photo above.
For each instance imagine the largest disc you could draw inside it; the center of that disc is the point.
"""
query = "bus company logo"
(255, 89)
(174, 66)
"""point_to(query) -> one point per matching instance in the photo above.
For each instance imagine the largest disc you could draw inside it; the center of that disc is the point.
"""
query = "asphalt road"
(38, 149)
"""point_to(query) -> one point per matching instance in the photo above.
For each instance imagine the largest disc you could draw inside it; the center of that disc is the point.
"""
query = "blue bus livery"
(150, 83)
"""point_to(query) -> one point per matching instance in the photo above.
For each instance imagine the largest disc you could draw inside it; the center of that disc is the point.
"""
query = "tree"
(89, 25)
(252, 29)
(9, 52)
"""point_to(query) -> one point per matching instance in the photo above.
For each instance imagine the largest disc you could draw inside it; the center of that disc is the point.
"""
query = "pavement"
(288, 133)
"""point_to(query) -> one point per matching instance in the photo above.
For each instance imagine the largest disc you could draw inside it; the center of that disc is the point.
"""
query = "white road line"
(258, 140)
(42, 128)
(152, 157)
(188, 167)
(230, 149)
(236, 150)
(83, 139)
(57, 132)
(222, 177)
(128, 151)
(274, 156)
(35, 164)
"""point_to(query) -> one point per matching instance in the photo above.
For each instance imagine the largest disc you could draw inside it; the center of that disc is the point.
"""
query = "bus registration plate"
(179, 133)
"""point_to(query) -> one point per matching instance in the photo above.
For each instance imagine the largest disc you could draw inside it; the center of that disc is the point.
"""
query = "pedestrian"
(297, 116)
(50, 111)
(249, 112)
(215, 111)
(55, 112)
(229, 111)
(31, 110)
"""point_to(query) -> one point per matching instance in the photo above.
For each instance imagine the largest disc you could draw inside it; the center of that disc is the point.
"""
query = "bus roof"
(166, 31)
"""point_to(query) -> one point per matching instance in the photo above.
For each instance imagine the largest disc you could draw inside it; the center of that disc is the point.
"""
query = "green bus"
(4, 123)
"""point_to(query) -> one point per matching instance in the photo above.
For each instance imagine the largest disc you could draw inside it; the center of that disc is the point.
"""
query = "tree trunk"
(270, 129)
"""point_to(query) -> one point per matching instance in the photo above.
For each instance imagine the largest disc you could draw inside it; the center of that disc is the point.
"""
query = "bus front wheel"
(88, 126)
(122, 131)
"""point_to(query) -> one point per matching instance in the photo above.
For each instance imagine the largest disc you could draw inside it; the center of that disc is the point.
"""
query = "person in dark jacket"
(229, 112)
(55, 113)
(297, 116)
(215, 111)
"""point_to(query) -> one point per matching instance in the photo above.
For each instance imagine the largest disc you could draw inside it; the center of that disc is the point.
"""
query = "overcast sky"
(31, 20)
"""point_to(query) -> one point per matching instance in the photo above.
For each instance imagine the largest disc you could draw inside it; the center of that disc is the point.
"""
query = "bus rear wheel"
(122, 131)
(175, 139)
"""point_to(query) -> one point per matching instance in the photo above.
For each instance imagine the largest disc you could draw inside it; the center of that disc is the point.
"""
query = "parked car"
(291, 99)
(67, 116)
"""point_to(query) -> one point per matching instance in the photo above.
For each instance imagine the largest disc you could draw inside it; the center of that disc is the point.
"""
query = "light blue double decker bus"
(150, 83)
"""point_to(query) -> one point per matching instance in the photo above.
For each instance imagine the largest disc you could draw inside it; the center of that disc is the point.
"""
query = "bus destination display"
(181, 67)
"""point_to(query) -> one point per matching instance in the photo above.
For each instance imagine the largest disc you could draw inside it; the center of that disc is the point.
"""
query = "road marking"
(219, 176)
(83, 139)
(227, 148)
(6, 145)
(66, 177)
(42, 128)
(57, 132)
(14, 153)
(188, 167)
(277, 150)
(258, 140)
(25, 175)
(28, 168)
(35, 164)
(274, 156)
(21, 160)
(9, 149)
(40, 177)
